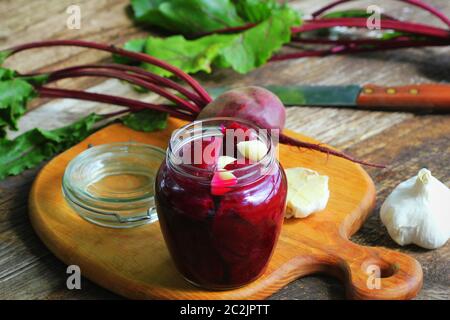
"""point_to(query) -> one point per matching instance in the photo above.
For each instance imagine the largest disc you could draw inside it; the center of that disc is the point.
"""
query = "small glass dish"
(112, 185)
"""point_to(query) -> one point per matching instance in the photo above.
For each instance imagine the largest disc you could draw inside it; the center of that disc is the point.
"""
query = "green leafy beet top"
(242, 51)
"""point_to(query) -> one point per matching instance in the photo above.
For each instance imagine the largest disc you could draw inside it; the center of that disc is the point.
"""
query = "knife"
(416, 98)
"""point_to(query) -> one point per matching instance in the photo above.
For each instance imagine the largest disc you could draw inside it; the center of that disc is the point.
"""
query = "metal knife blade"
(332, 96)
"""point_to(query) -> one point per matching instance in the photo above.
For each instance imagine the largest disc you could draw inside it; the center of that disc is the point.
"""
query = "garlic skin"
(418, 211)
(307, 192)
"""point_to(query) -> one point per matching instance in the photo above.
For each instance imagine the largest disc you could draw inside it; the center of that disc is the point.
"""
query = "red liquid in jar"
(220, 241)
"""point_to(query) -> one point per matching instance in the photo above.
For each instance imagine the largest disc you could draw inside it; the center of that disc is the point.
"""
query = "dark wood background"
(407, 142)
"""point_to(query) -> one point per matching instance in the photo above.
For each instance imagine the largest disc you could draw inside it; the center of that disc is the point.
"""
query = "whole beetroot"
(254, 104)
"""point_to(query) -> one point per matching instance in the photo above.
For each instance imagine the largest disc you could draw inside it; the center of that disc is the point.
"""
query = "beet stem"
(126, 77)
(415, 28)
(144, 75)
(301, 144)
(122, 52)
(133, 105)
(416, 3)
(347, 49)
(403, 40)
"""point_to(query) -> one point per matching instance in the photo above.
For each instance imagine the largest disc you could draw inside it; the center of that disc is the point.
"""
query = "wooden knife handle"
(421, 97)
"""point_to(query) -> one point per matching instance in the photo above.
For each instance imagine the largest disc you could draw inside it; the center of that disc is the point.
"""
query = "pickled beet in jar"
(220, 219)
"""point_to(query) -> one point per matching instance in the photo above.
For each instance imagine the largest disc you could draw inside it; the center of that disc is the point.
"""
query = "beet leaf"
(186, 16)
(242, 51)
(255, 11)
(31, 148)
(146, 120)
(14, 96)
(191, 56)
(254, 47)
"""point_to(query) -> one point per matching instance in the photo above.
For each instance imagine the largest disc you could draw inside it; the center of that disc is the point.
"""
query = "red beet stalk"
(416, 3)
(63, 74)
(142, 74)
(369, 41)
(352, 47)
(414, 28)
(301, 144)
(122, 52)
(132, 105)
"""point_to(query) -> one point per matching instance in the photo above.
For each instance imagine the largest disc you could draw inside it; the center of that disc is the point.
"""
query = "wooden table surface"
(407, 142)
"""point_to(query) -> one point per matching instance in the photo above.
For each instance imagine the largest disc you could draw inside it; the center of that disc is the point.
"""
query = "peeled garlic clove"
(254, 150)
(418, 211)
(222, 182)
(307, 192)
(223, 161)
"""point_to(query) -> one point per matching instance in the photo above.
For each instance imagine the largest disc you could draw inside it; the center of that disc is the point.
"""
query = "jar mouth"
(113, 184)
(208, 128)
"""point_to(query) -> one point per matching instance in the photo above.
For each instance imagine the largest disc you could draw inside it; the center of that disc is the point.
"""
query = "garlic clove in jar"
(418, 211)
(254, 150)
(223, 161)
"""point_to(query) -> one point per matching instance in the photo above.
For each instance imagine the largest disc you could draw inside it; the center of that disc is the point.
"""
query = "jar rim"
(174, 146)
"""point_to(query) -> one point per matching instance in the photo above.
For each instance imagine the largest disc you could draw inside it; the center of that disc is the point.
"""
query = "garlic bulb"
(418, 211)
(307, 192)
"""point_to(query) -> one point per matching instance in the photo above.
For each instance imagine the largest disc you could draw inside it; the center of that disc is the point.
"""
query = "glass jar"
(112, 185)
(219, 237)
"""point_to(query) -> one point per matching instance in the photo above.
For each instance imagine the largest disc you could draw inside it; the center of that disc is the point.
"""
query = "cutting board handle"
(378, 273)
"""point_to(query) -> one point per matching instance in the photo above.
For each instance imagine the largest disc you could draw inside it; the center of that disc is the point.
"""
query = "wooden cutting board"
(136, 264)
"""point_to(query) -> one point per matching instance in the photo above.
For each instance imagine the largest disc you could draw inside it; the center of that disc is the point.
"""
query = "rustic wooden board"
(135, 262)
